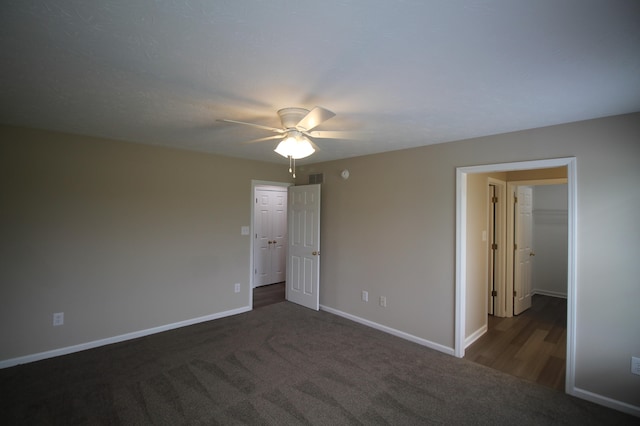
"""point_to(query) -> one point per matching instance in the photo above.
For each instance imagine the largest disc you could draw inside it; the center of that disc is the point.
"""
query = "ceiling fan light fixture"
(297, 124)
(295, 145)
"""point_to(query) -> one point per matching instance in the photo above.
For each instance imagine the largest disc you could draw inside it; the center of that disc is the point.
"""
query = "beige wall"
(120, 237)
(123, 237)
(390, 229)
(537, 174)
(477, 254)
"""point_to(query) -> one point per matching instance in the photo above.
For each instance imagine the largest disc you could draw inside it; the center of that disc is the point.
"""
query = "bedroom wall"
(477, 255)
(124, 237)
(120, 237)
(390, 229)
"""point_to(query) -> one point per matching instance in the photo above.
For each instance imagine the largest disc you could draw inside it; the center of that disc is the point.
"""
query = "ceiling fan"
(297, 131)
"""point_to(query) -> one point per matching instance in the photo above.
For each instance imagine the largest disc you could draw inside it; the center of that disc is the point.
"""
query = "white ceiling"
(398, 73)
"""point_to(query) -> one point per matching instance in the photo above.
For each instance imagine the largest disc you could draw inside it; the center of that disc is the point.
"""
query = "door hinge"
(494, 200)
(494, 293)
(515, 247)
(515, 293)
(494, 246)
(515, 198)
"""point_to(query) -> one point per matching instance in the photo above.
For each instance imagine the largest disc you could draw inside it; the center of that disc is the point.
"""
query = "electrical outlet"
(237, 288)
(58, 319)
(383, 301)
(635, 365)
(365, 296)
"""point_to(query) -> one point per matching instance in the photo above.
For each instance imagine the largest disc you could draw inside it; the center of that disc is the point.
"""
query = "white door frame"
(254, 184)
(461, 250)
(264, 253)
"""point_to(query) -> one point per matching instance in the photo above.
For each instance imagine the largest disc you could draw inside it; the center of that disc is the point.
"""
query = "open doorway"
(463, 292)
(298, 237)
(524, 234)
(523, 332)
(268, 235)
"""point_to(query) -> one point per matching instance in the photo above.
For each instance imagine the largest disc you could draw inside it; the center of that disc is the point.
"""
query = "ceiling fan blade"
(316, 116)
(330, 134)
(314, 145)
(259, 126)
(264, 139)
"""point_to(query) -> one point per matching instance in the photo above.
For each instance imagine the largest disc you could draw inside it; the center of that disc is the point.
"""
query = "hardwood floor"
(268, 294)
(531, 345)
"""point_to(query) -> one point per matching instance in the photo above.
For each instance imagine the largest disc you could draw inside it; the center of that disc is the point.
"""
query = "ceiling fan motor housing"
(290, 117)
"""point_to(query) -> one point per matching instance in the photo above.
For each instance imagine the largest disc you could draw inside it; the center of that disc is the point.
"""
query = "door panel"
(262, 235)
(304, 246)
(279, 238)
(523, 253)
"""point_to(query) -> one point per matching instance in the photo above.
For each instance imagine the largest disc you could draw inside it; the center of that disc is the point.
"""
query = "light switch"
(244, 230)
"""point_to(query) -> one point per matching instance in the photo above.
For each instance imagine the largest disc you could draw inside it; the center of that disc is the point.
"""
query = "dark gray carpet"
(278, 365)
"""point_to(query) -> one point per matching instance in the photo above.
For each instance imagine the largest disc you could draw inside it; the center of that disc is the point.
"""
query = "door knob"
(315, 253)
(532, 253)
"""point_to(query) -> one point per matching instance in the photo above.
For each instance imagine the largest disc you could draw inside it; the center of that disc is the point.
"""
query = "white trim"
(461, 247)
(461, 262)
(508, 298)
(475, 335)
(519, 165)
(634, 410)
(423, 342)
(572, 278)
(549, 293)
(116, 339)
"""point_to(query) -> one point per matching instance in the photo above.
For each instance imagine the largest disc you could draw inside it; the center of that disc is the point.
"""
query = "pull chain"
(292, 170)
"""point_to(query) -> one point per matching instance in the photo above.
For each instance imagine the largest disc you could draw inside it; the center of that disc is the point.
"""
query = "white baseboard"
(393, 331)
(475, 335)
(116, 339)
(605, 401)
(578, 393)
(549, 293)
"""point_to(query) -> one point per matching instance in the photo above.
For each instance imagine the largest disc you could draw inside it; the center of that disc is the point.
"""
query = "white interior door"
(303, 266)
(270, 233)
(523, 250)
(499, 303)
(279, 238)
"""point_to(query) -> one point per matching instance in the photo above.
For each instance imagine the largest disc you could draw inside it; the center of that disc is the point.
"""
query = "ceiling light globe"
(295, 148)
